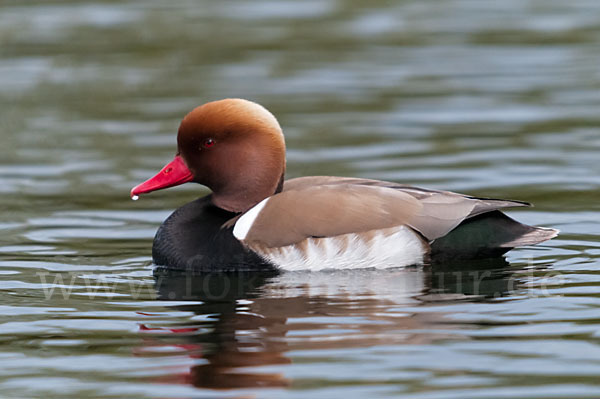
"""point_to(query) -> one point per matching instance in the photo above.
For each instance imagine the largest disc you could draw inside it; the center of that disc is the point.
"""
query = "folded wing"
(456, 225)
(329, 206)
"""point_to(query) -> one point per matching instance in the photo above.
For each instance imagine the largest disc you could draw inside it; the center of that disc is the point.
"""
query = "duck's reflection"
(247, 320)
(233, 338)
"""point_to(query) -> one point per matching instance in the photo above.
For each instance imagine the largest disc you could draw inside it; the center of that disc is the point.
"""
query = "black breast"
(193, 238)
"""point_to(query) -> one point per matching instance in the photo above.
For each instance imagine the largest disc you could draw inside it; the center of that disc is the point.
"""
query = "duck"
(254, 219)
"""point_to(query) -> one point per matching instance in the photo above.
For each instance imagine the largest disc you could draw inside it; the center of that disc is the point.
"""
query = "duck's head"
(234, 147)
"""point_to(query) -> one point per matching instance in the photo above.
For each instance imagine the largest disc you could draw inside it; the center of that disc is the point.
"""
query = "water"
(495, 99)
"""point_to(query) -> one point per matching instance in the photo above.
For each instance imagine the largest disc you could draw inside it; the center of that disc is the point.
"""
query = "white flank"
(245, 222)
(393, 247)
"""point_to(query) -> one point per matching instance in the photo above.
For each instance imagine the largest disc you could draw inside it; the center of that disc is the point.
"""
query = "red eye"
(208, 143)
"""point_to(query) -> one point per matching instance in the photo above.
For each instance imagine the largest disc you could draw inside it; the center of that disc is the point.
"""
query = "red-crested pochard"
(255, 220)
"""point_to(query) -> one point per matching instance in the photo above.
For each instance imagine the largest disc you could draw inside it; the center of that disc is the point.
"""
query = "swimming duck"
(256, 220)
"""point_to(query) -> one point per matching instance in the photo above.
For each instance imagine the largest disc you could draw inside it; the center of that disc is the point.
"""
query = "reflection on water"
(246, 321)
(495, 99)
(233, 334)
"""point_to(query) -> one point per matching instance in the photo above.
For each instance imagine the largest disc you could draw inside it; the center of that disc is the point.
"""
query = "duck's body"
(193, 238)
(255, 220)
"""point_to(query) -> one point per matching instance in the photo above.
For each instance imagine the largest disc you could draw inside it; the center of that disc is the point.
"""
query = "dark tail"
(487, 235)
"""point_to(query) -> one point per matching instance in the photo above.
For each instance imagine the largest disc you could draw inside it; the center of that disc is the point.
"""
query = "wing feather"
(329, 210)
(326, 206)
